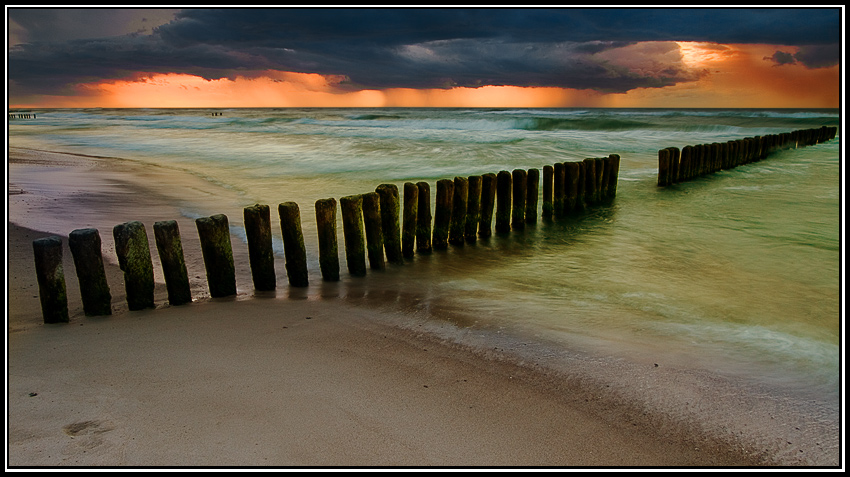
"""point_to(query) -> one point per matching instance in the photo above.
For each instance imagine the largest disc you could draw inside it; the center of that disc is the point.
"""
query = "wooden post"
(374, 233)
(460, 197)
(558, 188)
(134, 258)
(354, 233)
(503, 202)
(548, 193)
(686, 165)
(167, 236)
(214, 232)
(663, 167)
(615, 175)
(599, 163)
(423, 218)
(328, 251)
(258, 231)
(411, 209)
(85, 246)
(51, 279)
(488, 203)
(293, 244)
(520, 190)
(532, 195)
(390, 222)
(589, 181)
(675, 158)
(572, 175)
(442, 214)
(581, 188)
(473, 208)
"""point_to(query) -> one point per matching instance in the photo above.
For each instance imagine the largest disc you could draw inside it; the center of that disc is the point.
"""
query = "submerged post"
(258, 232)
(51, 279)
(328, 252)
(532, 196)
(293, 244)
(504, 181)
(374, 234)
(559, 178)
(615, 175)
(390, 222)
(590, 181)
(168, 243)
(85, 246)
(134, 259)
(423, 218)
(572, 174)
(548, 194)
(353, 231)
(460, 198)
(473, 208)
(520, 189)
(408, 227)
(214, 232)
(488, 203)
(442, 214)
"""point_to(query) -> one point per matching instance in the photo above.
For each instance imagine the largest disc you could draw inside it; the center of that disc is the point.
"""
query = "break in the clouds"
(600, 49)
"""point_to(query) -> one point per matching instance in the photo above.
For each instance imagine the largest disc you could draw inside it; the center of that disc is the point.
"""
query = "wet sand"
(333, 377)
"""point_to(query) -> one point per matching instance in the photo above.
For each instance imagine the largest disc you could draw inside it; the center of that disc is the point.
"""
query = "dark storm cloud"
(379, 48)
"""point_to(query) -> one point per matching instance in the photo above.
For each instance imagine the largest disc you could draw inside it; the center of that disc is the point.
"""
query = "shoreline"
(632, 417)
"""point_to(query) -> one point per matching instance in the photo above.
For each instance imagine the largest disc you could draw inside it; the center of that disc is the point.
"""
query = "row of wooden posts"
(695, 161)
(373, 228)
(22, 116)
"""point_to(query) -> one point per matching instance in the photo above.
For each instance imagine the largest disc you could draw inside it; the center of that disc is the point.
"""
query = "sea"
(737, 272)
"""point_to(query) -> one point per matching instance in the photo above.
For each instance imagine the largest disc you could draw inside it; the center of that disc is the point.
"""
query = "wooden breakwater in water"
(691, 162)
(381, 227)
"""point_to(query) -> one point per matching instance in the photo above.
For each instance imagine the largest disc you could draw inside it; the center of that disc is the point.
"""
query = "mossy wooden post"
(548, 193)
(85, 247)
(488, 204)
(615, 175)
(258, 232)
(293, 244)
(51, 279)
(354, 233)
(442, 214)
(328, 250)
(374, 233)
(214, 232)
(390, 222)
(134, 259)
(504, 197)
(559, 188)
(460, 198)
(423, 218)
(520, 190)
(532, 195)
(170, 247)
(571, 178)
(473, 208)
(408, 224)
(590, 181)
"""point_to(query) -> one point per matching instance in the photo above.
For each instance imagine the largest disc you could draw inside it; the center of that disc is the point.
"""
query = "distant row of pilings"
(695, 161)
(22, 116)
(376, 228)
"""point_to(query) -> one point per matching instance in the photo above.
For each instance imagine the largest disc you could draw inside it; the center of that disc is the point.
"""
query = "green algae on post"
(85, 245)
(328, 250)
(51, 279)
(134, 259)
(170, 247)
(390, 222)
(293, 244)
(214, 233)
(258, 232)
(374, 230)
(354, 234)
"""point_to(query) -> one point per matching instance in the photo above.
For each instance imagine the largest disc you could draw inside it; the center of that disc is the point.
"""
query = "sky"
(425, 57)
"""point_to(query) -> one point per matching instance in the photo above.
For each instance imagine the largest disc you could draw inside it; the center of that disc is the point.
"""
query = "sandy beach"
(332, 378)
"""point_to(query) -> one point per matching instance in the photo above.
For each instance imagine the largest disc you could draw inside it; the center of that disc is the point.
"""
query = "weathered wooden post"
(354, 233)
(686, 165)
(167, 236)
(663, 167)
(473, 208)
(558, 188)
(423, 218)
(532, 195)
(293, 244)
(134, 259)
(504, 181)
(258, 232)
(520, 190)
(85, 246)
(460, 198)
(408, 227)
(615, 175)
(590, 181)
(581, 188)
(548, 193)
(214, 232)
(675, 158)
(442, 214)
(328, 251)
(390, 223)
(51, 279)
(374, 233)
(488, 204)
(572, 175)
(600, 178)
